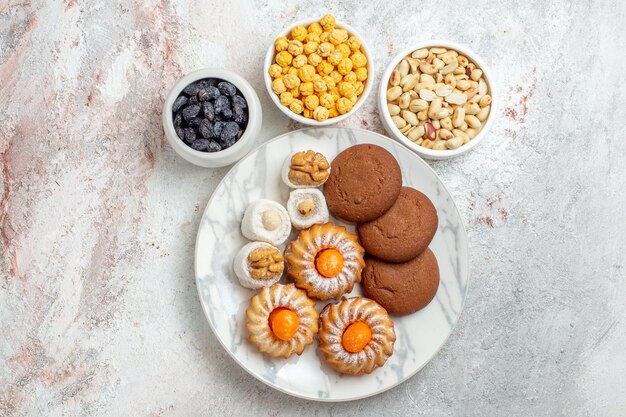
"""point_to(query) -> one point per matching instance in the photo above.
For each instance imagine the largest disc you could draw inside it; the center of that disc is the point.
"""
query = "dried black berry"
(193, 101)
(190, 135)
(192, 89)
(178, 120)
(227, 88)
(217, 129)
(207, 110)
(227, 113)
(240, 115)
(214, 146)
(213, 92)
(206, 129)
(221, 103)
(195, 122)
(229, 131)
(239, 101)
(200, 144)
(203, 83)
(203, 95)
(227, 142)
(180, 132)
(178, 103)
(190, 112)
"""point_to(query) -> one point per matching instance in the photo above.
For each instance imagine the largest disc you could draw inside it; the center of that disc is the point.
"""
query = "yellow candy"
(320, 113)
(358, 59)
(354, 43)
(346, 89)
(344, 105)
(275, 70)
(353, 99)
(338, 36)
(325, 49)
(295, 47)
(291, 81)
(319, 86)
(283, 58)
(316, 77)
(296, 106)
(328, 22)
(306, 89)
(306, 73)
(315, 28)
(281, 43)
(334, 58)
(315, 59)
(350, 77)
(286, 69)
(312, 37)
(336, 76)
(295, 92)
(299, 61)
(345, 66)
(307, 113)
(361, 73)
(329, 81)
(292, 71)
(324, 68)
(312, 102)
(298, 33)
(327, 100)
(333, 112)
(278, 86)
(286, 98)
(344, 50)
(324, 37)
(310, 47)
(359, 88)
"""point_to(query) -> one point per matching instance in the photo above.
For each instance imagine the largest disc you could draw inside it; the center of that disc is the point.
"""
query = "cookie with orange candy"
(281, 320)
(325, 261)
(356, 335)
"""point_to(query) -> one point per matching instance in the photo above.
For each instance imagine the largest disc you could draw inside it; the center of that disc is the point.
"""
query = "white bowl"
(241, 147)
(395, 133)
(269, 57)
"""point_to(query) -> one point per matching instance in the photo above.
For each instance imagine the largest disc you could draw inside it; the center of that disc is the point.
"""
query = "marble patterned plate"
(419, 336)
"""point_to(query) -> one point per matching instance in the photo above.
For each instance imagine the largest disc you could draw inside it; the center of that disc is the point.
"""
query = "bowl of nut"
(318, 71)
(436, 97)
(211, 117)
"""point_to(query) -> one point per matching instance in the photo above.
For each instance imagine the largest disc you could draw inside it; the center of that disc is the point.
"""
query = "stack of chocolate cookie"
(395, 226)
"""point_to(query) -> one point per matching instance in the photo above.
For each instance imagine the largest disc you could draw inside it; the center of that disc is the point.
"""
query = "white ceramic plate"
(419, 335)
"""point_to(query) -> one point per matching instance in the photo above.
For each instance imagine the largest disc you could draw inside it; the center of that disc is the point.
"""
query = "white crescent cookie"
(314, 200)
(241, 265)
(266, 221)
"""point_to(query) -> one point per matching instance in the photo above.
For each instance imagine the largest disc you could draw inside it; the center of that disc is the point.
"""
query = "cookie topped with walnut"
(305, 169)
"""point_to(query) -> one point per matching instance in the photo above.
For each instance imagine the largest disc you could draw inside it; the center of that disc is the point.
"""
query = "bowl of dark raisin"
(211, 117)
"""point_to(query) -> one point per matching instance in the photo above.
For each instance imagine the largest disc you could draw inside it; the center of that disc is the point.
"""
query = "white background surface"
(98, 306)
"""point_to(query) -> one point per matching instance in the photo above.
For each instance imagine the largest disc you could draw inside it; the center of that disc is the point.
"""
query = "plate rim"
(291, 392)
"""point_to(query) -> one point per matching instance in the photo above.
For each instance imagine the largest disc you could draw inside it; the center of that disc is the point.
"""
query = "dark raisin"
(190, 135)
(203, 95)
(213, 92)
(217, 129)
(207, 110)
(240, 115)
(193, 101)
(206, 129)
(178, 120)
(227, 88)
(221, 103)
(200, 144)
(229, 131)
(214, 146)
(190, 112)
(178, 103)
(240, 101)
(227, 142)
(227, 113)
(203, 84)
(212, 81)
(195, 122)
(180, 132)
(192, 89)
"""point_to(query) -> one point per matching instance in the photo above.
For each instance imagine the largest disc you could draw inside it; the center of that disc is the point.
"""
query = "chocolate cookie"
(364, 182)
(404, 231)
(401, 288)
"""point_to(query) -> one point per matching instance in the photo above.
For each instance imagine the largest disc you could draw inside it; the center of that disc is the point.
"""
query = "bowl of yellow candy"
(318, 72)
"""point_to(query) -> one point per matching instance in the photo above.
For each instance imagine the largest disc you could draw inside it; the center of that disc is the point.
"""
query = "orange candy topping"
(284, 323)
(356, 337)
(329, 262)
